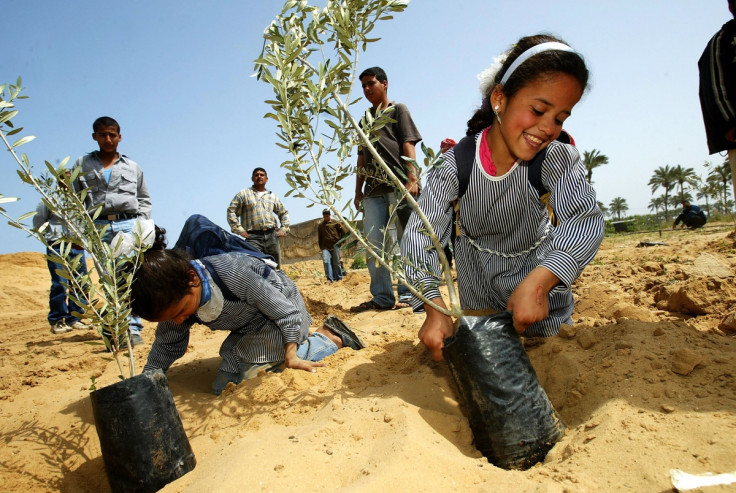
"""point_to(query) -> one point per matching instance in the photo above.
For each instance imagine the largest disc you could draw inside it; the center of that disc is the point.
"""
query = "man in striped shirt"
(251, 215)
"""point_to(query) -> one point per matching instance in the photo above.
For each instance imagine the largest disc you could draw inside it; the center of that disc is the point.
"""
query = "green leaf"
(7, 116)
(23, 140)
(27, 215)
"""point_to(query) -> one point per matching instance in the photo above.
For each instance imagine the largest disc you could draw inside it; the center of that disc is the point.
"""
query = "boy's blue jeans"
(125, 225)
(376, 217)
(61, 308)
(317, 347)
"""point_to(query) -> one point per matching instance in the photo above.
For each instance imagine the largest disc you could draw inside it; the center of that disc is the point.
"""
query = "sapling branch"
(302, 92)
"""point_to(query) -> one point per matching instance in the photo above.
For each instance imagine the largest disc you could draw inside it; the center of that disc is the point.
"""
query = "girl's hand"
(529, 301)
(291, 360)
(435, 329)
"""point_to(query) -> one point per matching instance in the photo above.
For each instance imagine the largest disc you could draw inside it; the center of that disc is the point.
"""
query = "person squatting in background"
(268, 320)
(691, 216)
(508, 254)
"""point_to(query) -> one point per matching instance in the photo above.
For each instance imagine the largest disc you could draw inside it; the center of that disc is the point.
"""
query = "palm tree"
(684, 176)
(705, 191)
(618, 206)
(676, 200)
(591, 160)
(715, 185)
(603, 208)
(663, 177)
(656, 204)
(722, 175)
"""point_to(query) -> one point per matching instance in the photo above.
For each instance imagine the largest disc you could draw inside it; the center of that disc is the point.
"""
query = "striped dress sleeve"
(170, 344)
(423, 268)
(580, 231)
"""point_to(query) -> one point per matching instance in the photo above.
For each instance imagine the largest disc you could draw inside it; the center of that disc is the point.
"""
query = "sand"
(645, 380)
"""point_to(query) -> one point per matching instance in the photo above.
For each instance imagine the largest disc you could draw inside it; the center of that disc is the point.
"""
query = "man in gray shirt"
(116, 182)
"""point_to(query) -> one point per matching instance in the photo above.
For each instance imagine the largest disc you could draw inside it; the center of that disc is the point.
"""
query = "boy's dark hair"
(533, 69)
(259, 169)
(376, 72)
(161, 280)
(105, 121)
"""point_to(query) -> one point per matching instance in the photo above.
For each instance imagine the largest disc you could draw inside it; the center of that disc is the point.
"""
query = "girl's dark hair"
(528, 72)
(161, 280)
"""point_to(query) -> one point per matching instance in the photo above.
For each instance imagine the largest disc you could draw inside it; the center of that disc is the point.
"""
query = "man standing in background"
(251, 215)
(116, 184)
(328, 234)
(61, 306)
(381, 207)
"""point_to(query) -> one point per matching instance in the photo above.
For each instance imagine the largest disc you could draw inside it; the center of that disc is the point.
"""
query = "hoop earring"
(495, 110)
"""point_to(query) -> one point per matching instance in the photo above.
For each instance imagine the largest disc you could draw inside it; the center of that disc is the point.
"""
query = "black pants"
(694, 219)
(268, 243)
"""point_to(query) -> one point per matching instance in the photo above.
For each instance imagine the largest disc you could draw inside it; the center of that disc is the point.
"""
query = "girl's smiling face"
(533, 117)
(185, 307)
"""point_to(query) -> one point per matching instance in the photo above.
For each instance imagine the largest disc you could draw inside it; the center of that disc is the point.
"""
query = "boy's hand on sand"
(435, 329)
(291, 360)
(302, 364)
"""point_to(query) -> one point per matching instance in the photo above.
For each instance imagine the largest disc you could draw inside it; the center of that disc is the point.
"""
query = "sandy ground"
(645, 380)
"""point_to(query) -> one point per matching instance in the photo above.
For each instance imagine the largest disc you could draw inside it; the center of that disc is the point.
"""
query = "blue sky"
(176, 75)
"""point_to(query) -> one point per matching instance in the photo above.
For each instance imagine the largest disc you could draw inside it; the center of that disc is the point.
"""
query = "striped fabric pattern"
(268, 314)
(506, 233)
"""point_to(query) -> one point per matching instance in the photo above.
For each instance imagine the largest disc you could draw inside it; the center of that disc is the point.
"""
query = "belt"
(119, 217)
(262, 230)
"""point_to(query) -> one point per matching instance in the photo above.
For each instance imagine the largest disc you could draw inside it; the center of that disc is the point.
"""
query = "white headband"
(549, 46)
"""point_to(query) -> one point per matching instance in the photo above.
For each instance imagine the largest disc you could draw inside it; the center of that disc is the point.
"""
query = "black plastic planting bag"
(512, 419)
(143, 443)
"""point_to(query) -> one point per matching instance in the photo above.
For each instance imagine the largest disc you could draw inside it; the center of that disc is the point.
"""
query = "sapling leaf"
(23, 140)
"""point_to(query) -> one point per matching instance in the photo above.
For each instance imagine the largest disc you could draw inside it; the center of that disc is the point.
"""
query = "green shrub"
(358, 262)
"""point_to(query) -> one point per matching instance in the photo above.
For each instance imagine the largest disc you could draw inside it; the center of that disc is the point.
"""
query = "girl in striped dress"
(508, 254)
(260, 307)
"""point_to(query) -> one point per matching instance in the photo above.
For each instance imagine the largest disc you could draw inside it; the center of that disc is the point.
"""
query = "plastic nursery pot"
(143, 443)
(513, 422)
